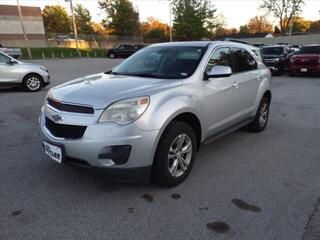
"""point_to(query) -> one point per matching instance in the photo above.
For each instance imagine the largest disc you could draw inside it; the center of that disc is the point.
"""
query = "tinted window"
(220, 57)
(243, 60)
(4, 59)
(168, 62)
(272, 50)
(310, 50)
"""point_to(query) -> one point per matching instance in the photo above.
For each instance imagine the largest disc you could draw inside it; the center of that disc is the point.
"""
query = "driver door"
(221, 94)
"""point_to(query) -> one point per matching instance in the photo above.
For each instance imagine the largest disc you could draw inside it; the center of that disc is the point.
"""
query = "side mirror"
(218, 72)
(11, 62)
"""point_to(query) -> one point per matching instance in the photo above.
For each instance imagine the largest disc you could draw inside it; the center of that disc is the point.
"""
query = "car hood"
(100, 90)
(30, 64)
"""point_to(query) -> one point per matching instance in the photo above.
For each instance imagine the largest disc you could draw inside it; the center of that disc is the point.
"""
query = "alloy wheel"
(180, 155)
(33, 83)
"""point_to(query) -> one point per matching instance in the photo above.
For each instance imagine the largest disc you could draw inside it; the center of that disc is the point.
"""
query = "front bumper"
(274, 66)
(46, 78)
(297, 69)
(120, 151)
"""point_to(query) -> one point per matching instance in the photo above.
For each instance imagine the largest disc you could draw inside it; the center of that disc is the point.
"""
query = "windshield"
(272, 51)
(310, 50)
(167, 62)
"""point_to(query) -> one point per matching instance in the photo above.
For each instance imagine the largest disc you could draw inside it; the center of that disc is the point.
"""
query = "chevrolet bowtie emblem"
(57, 117)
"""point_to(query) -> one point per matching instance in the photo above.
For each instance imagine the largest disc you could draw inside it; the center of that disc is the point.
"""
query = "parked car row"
(296, 59)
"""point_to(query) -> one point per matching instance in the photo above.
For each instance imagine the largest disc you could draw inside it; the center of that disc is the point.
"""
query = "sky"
(236, 12)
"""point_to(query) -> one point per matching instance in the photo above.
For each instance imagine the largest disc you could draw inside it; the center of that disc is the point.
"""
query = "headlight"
(125, 111)
(44, 69)
(276, 59)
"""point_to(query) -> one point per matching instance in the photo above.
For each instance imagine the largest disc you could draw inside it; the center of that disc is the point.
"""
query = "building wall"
(11, 34)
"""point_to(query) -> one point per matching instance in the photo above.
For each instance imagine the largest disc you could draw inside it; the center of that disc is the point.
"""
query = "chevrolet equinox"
(146, 118)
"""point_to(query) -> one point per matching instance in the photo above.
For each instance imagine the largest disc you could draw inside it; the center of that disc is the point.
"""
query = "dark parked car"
(306, 61)
(124, 50)
(276, 58)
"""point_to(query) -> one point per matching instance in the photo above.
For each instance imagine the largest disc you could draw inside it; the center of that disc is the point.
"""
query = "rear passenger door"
(247, 76)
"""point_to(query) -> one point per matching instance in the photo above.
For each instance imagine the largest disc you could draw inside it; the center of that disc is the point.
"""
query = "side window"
(3, 59)
(243, 60)
(221, 57)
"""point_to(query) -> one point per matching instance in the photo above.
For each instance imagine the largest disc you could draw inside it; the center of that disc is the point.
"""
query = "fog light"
(118, 154)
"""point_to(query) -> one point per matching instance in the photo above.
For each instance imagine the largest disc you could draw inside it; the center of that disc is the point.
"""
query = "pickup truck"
(13, 52)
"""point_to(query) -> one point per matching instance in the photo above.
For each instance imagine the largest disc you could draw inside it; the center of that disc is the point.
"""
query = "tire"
(262, 116)
(291, 74)
(112, 55)
(32, 83)
(169, 171)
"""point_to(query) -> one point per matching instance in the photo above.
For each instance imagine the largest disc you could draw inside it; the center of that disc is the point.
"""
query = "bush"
(39, 53)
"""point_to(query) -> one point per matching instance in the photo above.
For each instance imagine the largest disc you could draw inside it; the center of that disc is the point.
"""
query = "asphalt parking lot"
(243, 186)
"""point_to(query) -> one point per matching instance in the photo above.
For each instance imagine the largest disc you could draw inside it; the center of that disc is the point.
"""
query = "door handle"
(236, 84)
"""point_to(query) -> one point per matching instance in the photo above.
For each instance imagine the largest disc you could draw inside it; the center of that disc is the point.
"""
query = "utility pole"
(23, 29)
(74, 25)
(170, 13)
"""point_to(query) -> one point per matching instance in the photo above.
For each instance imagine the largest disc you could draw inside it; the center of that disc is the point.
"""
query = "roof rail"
(235, 40)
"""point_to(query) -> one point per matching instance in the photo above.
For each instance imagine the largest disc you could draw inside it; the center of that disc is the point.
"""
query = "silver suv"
(148, 116)
(31, 77)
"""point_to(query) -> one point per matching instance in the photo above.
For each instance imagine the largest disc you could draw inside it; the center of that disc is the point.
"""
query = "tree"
(56, 19)
(314, 26)
(276, 30)
(229, 31)
(98, 28)
(83, 19)
(244, 29)
(283, 10)
(259, 24)
(300, 25)
(153, 28)
(122, 19)
(193, 19)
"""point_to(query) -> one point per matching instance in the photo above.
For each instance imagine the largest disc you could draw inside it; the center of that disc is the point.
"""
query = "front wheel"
(175, 155)
(262, 116)
(32, 83)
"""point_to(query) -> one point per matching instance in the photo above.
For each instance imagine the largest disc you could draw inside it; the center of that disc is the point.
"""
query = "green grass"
(47, 53)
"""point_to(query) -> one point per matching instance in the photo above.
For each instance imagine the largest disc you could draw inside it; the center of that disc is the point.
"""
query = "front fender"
(163, 110)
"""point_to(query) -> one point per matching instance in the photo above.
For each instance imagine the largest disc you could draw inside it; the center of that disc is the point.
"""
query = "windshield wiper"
(144, 74)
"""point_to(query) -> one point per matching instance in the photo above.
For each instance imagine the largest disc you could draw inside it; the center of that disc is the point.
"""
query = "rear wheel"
(175, 155)
(32, 83)
(262, 116)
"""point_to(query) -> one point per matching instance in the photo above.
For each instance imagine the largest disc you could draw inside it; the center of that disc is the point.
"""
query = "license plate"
(304, 70)
(54, 152)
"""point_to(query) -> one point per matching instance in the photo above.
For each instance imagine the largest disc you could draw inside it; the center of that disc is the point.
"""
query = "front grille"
(70, 107)
(311, 62)
(65, 131)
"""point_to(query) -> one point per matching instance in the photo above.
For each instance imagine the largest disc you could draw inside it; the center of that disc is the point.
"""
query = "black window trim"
(213, 51)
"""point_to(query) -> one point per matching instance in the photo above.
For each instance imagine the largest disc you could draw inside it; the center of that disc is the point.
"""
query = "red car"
(306, 61)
